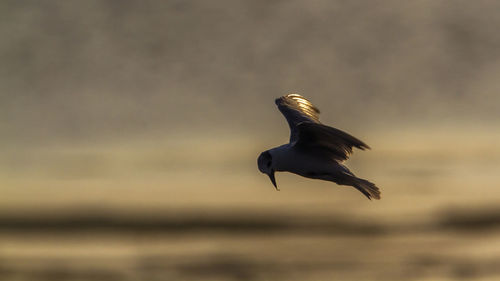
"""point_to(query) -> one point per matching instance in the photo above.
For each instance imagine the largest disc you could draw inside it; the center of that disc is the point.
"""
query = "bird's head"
(265, 163)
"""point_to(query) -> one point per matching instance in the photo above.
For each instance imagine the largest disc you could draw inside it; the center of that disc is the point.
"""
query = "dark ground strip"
(457, 221)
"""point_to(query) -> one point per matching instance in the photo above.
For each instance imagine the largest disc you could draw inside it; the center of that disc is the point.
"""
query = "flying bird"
(315, 150)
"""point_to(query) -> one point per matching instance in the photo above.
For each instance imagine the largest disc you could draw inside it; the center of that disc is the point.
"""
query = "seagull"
(315, 150)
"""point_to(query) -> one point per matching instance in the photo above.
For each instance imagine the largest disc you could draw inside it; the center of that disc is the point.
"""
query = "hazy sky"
(92, 69)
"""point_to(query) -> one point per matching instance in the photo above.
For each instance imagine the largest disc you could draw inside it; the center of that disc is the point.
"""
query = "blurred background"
(129, 133)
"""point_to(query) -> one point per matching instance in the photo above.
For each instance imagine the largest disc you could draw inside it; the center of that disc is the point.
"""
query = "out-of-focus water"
(129, 132)
(186, 211)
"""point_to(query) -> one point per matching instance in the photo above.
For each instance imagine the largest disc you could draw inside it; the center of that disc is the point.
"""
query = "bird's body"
(315, 150)
(287, 158)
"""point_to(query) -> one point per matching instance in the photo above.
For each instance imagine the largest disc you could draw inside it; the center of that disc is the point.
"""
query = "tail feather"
(346, 177)
(369, 189)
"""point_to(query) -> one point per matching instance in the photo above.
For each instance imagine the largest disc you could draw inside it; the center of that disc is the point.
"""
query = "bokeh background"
(129, 132)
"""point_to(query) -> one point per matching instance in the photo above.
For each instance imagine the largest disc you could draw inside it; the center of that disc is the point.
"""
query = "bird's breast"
(295, 161)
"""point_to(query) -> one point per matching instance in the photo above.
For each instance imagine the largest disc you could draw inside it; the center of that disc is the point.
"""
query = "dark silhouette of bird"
(315, 150)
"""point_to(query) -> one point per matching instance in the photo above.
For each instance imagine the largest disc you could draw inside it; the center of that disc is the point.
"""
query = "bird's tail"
(369, 189)
(346, 177)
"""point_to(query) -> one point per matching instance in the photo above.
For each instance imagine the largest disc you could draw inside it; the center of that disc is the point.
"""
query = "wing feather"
(307, 133)
(297, 109)
(326, 141)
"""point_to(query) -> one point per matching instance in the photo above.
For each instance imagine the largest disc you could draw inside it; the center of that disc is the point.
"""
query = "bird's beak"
(273, 180)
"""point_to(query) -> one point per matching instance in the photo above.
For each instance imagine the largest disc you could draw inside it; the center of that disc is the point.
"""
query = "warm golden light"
(130, 131)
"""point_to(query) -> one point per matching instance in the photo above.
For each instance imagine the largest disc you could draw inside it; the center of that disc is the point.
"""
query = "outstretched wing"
(296, 110)
(325, 141)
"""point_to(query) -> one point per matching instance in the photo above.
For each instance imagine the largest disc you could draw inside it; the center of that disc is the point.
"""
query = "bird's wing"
(296, 110)
(325, 141)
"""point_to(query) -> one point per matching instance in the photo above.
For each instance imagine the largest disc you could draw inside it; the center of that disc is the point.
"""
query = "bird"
(315, 150)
